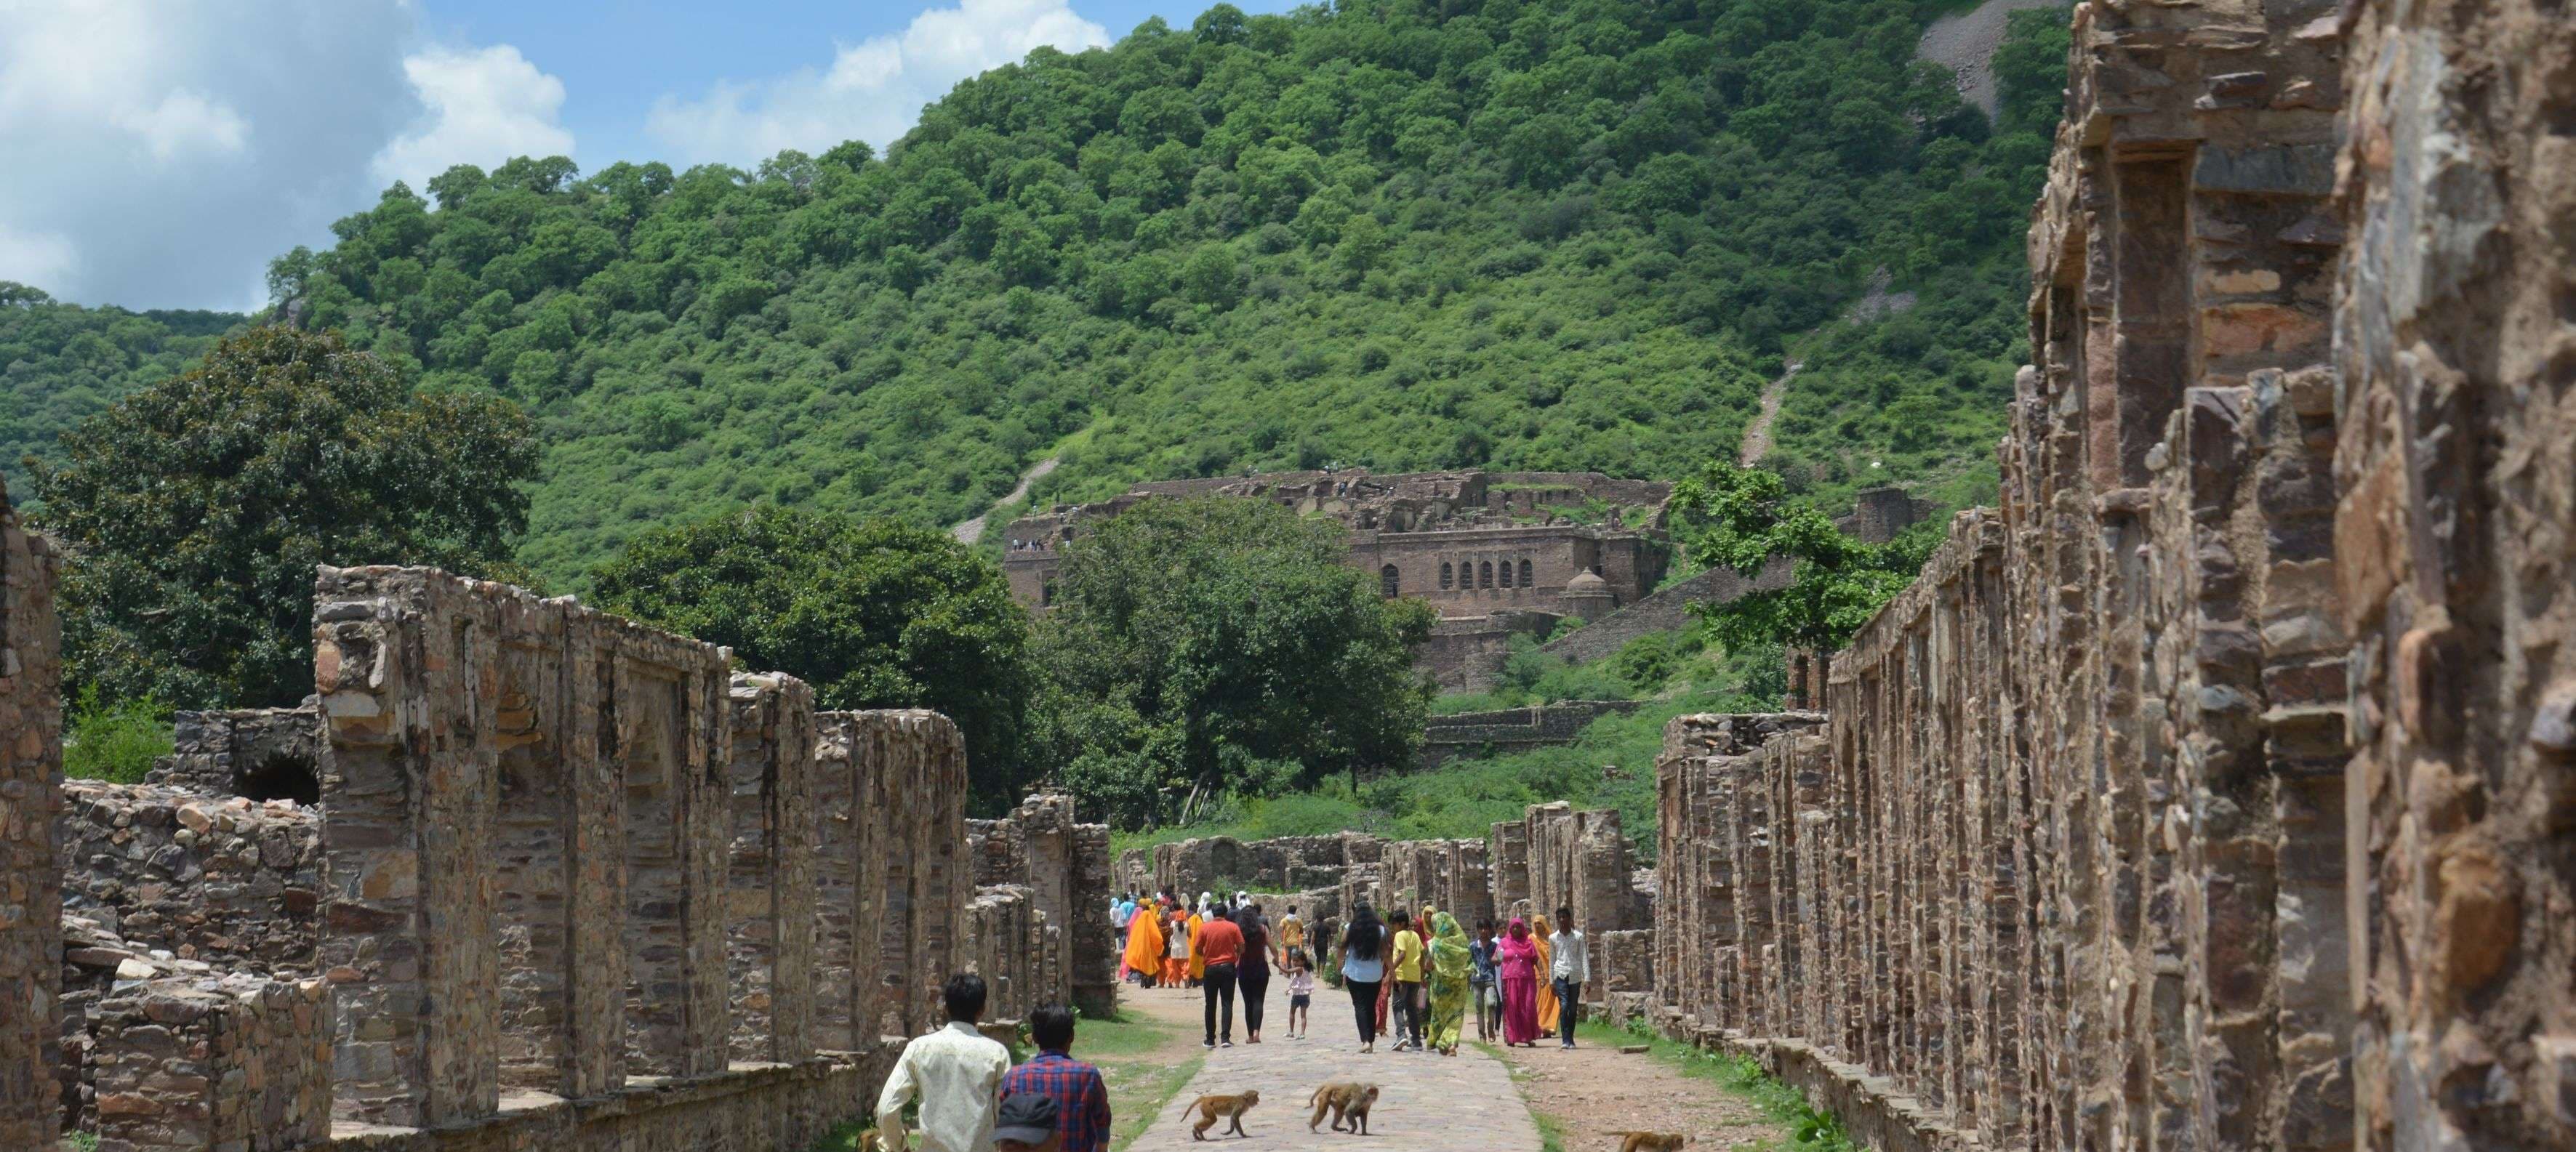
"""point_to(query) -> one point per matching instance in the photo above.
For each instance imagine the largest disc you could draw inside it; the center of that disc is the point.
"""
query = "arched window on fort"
(1485, 574)
(1387, 581)
(1507, 573)
(1525, 574)
(1448, 576)
(1046, 594)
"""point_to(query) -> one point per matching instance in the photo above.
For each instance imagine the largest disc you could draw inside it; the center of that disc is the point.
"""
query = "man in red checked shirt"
(1081, 1097)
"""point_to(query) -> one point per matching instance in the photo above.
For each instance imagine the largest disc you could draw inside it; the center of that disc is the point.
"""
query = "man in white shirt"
(1573, 966)
(955, 1071)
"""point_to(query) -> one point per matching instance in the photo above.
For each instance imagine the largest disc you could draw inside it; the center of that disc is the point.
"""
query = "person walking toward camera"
(1573, 966)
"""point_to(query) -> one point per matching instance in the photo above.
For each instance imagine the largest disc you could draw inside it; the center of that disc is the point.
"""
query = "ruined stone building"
(2218, 788)
(523, 876)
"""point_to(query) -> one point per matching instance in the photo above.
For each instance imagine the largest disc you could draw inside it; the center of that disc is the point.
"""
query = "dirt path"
(971, 531)
(1596, 1090)
(1757, 435)
(1427, 1103)
(1965, 43)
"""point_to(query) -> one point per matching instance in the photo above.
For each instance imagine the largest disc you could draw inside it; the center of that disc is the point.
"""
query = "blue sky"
(162, 151)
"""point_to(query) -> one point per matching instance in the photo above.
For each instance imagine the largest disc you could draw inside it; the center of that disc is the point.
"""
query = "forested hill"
(1571, 234)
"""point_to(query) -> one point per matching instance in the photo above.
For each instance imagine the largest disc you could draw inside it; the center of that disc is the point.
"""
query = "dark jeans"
(1254, 979)
(1406, 1011)
(1569, 1008)
(1364, 1005)
(1219, 985)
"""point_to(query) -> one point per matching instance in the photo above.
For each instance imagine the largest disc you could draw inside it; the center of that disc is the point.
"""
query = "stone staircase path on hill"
(1462, 1103)
(970, 531)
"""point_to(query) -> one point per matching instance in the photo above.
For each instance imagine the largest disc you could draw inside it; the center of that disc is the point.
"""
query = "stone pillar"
(31, 778)
(911, 767)
(770, 929)
(851, 889)
(2455, 556)
(404, 661)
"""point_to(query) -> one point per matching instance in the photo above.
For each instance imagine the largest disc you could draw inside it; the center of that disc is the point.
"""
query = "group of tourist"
(971, 1098)
(1524, 985)
(1217, 947)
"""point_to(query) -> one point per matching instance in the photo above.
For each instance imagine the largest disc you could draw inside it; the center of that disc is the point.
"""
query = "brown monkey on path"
(1350, 1104)
(1231, 1107)
(1651, 1141)
(872, 1141)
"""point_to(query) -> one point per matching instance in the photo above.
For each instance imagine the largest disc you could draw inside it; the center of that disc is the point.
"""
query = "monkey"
(1231, 1107)
(872, 1141)
(1651, 1141)
(1350, 1104)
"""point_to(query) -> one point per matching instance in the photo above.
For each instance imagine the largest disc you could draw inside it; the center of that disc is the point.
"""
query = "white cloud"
(873, 90)
(158, 153)
(485, 106)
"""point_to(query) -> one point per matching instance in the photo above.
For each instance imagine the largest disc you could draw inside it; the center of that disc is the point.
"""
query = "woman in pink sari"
(1519, 966)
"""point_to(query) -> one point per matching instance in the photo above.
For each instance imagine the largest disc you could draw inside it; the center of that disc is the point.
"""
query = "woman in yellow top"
(1539, 931)
(1145, 944)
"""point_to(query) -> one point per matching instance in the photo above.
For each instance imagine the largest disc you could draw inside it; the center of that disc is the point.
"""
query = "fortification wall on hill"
(2214, 790)
(1509, 730)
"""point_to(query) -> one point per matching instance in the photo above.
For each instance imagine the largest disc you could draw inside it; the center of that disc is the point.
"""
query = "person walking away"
(1364, 969)
(1301, 993)
(1517, 963)
(1198, 959)
(956, 1073)
(1489, 998)
(1252, 973)
(1080, 1096)
(1219, 951)
(1573, 966)
(1122, 909)
(1144, 954)
(1453, 967)
(1292, 930)
(1547, 1007)
(1176, 951)
(1407, 961)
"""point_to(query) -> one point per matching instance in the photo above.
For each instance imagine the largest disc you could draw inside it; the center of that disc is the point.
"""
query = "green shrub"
(116, 742)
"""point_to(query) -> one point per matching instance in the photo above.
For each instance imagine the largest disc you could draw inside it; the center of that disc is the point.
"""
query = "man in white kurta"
(957, 1074)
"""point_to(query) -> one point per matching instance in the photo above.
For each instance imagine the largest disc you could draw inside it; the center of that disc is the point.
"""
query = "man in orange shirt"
(1221, 944)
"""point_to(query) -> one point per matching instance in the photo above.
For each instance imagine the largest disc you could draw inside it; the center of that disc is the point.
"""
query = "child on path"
(1301, 991)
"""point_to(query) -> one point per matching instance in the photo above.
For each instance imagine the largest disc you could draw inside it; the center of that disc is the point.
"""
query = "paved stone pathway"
(1465, 1103)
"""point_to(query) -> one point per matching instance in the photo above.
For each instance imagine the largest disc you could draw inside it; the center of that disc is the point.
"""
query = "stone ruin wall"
(258, 753)
(573, 885)
(1061, 868)
(31, 772)
(2214, 790)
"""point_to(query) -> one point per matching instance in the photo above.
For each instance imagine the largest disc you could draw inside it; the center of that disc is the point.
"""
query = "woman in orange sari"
(1144, 954)
(1539, 931)
(1198, 959)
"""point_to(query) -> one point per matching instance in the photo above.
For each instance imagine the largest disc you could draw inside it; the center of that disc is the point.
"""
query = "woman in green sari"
(1452, 966)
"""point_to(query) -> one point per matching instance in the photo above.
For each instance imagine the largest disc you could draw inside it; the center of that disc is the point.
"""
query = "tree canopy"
(1572, 234)
(873, 614)
(1740, 518)
(195, 510)
(1213, 646)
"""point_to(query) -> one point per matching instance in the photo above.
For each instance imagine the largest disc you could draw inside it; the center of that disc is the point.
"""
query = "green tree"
(1741, 518)
(1205, 647)
(873, 614)
(194, 511)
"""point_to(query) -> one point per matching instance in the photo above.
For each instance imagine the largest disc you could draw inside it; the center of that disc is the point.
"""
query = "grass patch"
(1139, 1092)
(1803, 1128)
(1551, 1131)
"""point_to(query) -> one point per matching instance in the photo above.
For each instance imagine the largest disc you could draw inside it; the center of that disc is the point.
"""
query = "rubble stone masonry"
(571, 884)
(31, 772)
(2214, 791)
